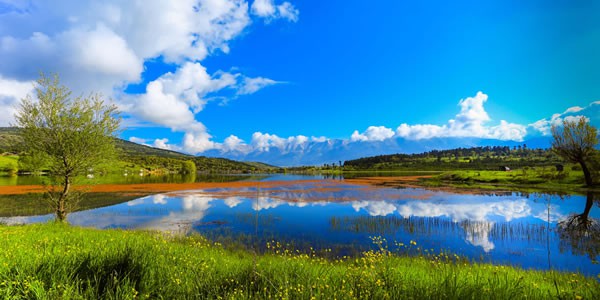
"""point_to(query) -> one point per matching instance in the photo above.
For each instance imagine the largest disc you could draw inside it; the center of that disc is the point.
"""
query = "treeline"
(482, 158)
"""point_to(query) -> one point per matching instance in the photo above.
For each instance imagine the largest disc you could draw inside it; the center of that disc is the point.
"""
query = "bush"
(11, 168)
(188, 167)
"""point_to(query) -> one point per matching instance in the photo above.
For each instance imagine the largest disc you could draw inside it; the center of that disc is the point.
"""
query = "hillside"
(475, 158)
(135, 155)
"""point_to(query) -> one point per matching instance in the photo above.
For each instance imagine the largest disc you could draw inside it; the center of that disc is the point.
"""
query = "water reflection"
(510, 228)
(580, 232)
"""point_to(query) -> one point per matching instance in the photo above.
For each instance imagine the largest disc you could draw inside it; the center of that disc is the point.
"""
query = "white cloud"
(572, 114)
(262, 202)
(173, 99)
(163, 144)
(574, 109)
(157, 143)
(263, 142)
(478, 234)
(138, 140)
(287, 11)
(194, 208)
(507, 131)
(375, 208)
(197, 142)
(469, 122)
(102, 46)
(267, 9)
(373, 133)
(480, 212)
(232, 201)
(11, 93)
(101, 50)
(252, 85)
(233, 143)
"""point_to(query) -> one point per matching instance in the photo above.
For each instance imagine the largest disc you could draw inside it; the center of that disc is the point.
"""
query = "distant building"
(504, 168)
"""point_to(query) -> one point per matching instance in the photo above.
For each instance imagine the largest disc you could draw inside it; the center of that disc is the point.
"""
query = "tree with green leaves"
(75, 134)
(32, 162)
(575, 142)
(188, 167)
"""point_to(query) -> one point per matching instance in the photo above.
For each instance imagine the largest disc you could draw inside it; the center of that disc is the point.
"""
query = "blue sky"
(293, 70)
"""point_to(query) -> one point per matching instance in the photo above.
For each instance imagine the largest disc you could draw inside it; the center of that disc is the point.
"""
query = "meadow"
(58, 261)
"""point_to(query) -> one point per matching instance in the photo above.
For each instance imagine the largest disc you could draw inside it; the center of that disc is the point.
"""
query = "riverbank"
(469, 181)
(61, 261)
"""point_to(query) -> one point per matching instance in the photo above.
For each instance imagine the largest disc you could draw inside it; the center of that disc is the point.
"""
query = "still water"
(538, 231)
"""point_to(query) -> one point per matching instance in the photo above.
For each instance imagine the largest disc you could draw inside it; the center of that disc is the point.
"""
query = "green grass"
(53, 261)
(539, 179)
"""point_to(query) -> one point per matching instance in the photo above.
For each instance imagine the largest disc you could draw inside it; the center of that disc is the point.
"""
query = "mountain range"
(336, 150)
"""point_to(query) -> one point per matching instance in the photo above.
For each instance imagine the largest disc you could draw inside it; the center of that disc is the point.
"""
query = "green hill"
(136, 156)
(475, 158)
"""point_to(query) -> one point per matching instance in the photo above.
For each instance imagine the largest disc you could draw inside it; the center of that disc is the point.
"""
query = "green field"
(538, 179)
(55, 261)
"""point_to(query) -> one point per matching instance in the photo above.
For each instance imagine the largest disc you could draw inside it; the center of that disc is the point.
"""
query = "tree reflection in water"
(580, 232)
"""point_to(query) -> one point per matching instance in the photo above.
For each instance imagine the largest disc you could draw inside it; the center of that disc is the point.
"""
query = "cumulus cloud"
(11, 93)
(469, 122)
(198, 141)
(269, 10)
(373, 133)
(174, 99)
(163, 144)
(572, 114)
(265, 142)
(96, 46)
(233, 143)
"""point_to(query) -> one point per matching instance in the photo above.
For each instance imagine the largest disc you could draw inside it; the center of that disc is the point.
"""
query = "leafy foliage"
(74, 135)
(575, 142)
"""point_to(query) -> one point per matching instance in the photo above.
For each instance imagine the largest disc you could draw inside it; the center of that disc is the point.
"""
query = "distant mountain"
(333, 151)
(309, 153)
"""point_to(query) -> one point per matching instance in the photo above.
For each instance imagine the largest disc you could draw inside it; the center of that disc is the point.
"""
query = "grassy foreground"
(58, 261)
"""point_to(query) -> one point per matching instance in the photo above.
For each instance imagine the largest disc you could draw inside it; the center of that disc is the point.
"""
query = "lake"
(540, 231)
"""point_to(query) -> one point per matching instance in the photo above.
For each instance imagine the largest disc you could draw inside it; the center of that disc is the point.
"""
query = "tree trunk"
(586, 173)
(588, 206)
(61, 209)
